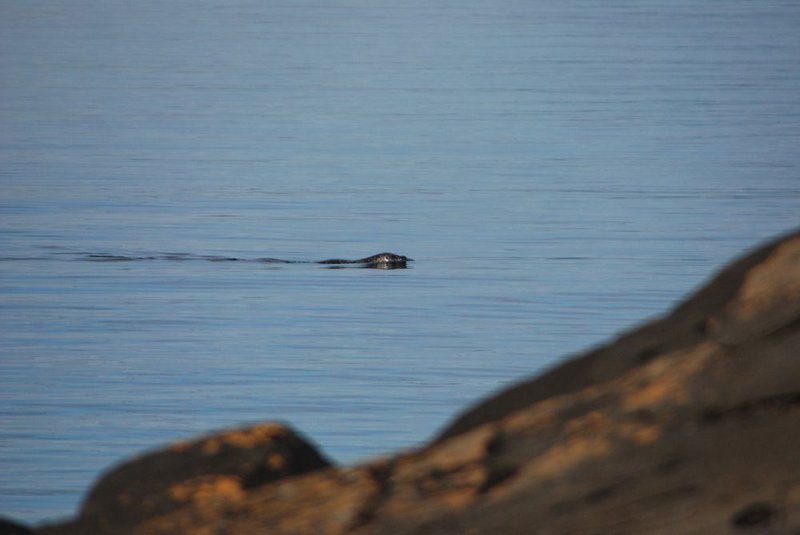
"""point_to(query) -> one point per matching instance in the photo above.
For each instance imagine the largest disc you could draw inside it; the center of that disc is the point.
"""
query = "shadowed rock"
(689, 424)
(212, 474)
(8, 527)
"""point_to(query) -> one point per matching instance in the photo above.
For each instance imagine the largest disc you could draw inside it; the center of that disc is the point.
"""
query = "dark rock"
(9, 527)
(213, 473)
(756, 514)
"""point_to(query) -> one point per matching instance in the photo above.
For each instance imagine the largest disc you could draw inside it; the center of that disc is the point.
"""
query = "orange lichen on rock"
(768, 298)
(569, 454)
(244, 438)
(775, 280)
(667, 382)
(208, 490)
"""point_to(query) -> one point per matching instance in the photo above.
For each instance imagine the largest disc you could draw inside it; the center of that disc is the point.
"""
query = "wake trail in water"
(380, 261)
(113, 257)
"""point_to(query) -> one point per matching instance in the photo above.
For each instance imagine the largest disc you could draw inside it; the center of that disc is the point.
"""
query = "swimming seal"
(377, 261)
(381, 261)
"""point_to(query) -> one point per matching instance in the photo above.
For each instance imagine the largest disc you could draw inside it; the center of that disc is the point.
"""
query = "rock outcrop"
(689, 424)
(211, 475)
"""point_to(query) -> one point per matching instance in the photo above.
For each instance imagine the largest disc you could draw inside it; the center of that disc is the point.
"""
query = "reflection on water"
(558, 171)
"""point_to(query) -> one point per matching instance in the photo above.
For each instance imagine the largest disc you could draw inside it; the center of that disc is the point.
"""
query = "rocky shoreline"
(688, 424)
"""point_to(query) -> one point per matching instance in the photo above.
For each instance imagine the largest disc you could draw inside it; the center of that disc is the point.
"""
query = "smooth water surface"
(559, 171)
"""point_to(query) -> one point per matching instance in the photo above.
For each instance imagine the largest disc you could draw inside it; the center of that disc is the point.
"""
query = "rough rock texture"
(690, 424)
(211, 474)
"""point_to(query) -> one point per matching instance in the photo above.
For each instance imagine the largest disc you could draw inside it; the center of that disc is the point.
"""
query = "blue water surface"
(559, 171)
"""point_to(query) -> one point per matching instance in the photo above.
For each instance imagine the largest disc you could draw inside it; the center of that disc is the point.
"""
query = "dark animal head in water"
(384, 258)
(379, 261)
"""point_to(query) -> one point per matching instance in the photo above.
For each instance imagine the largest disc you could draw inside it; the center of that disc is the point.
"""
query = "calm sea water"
(559, 171)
